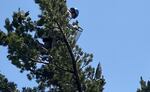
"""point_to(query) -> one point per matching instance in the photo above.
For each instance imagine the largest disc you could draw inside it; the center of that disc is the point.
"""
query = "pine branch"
(46, 63)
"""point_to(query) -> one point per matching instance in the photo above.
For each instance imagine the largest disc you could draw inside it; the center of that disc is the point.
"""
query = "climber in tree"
(73, 13)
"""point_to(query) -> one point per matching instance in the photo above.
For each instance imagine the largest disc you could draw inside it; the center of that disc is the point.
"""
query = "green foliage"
(6, 86)
(98, 72)
(145, 86)
(2, 38)
(53, 68)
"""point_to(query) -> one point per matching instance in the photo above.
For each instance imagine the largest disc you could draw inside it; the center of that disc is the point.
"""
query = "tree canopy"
(47, 49)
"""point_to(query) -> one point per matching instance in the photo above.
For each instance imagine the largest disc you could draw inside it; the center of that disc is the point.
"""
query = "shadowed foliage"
(6, 86)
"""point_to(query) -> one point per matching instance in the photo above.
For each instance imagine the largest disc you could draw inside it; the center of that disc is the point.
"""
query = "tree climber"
(73, 13)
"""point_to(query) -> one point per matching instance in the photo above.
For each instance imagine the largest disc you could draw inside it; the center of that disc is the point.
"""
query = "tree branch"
(46, 63)
(72, 57)
(60, 68)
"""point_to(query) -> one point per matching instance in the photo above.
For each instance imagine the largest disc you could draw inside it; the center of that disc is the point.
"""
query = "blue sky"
(115, 31)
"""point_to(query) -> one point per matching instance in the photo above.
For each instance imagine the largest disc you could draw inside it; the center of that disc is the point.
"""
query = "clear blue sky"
(117, 32)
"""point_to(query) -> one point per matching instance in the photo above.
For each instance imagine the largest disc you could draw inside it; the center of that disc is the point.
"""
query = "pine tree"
(47, 49)
(145, 86)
